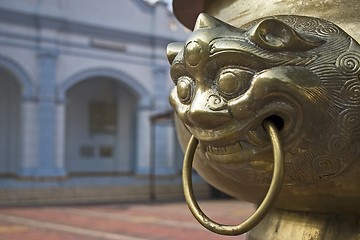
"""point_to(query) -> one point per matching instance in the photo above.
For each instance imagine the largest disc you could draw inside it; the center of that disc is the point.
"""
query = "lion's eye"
(184, 89)
(233, 82)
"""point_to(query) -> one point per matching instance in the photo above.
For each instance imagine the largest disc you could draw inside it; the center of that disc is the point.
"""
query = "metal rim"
(261, 211)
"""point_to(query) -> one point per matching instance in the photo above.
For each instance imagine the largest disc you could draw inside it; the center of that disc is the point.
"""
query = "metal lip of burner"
(238, 12)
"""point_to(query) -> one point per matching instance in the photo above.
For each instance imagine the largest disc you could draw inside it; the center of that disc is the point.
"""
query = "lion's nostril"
(208, 110)
(215, 103)
(276, 120)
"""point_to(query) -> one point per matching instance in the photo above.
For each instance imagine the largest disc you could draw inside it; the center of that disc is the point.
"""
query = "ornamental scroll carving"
(302, 73)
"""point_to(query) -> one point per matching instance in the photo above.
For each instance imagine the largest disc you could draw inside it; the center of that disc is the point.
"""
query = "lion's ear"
(172, 50)
(274, 35)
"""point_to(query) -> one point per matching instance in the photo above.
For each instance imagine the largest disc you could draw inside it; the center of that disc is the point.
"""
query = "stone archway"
(10, 141)
(101, 124)
(16, 102)
(19, 75)
(17, 109)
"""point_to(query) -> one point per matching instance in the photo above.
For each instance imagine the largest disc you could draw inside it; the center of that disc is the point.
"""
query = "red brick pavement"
(152, 221)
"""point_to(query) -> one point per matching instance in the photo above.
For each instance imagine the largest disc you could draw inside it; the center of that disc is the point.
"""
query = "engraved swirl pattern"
(291, 20)
(325, 165)
(351, 91)
(331, 156)
(339, 146)
(349, 120)
(312, 25)
(309, 25)
(348, 63)
(331, 145)
(259, 178)
(327, 30)
(305, 176)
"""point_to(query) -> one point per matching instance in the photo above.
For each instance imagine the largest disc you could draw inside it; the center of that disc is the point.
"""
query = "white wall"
(51, 43)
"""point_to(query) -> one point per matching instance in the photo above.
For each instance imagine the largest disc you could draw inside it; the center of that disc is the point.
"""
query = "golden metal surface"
(264, 207)
(300, 72)
(303, 74)
(285, 225)
(345, 13)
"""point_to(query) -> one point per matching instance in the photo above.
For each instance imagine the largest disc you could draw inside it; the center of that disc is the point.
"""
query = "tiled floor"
(140, 221)
(93, 189)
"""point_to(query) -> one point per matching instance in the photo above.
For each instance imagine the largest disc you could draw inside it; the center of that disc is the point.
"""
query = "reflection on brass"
(102, 117)
(264, 207)
(285, 225)
(301, 73)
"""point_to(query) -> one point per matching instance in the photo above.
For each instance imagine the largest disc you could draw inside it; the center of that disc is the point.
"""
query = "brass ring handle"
(261, 211)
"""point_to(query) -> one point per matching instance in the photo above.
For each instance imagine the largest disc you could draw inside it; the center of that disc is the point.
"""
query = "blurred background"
(84, 113)
(88, 149)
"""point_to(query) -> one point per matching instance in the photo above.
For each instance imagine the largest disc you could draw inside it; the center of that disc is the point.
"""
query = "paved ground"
(94, 189)
(138, 221)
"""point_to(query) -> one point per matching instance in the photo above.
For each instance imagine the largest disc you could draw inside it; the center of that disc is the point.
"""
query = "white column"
(165, 162)
(143, 141)
(29, 138)
(170, 153)
(164, 146)
(60, 137)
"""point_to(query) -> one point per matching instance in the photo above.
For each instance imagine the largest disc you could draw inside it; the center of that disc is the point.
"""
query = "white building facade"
(79, 81)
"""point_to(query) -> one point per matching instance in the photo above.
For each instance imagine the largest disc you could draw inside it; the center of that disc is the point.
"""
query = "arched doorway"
(100, 126)
(10, 146)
